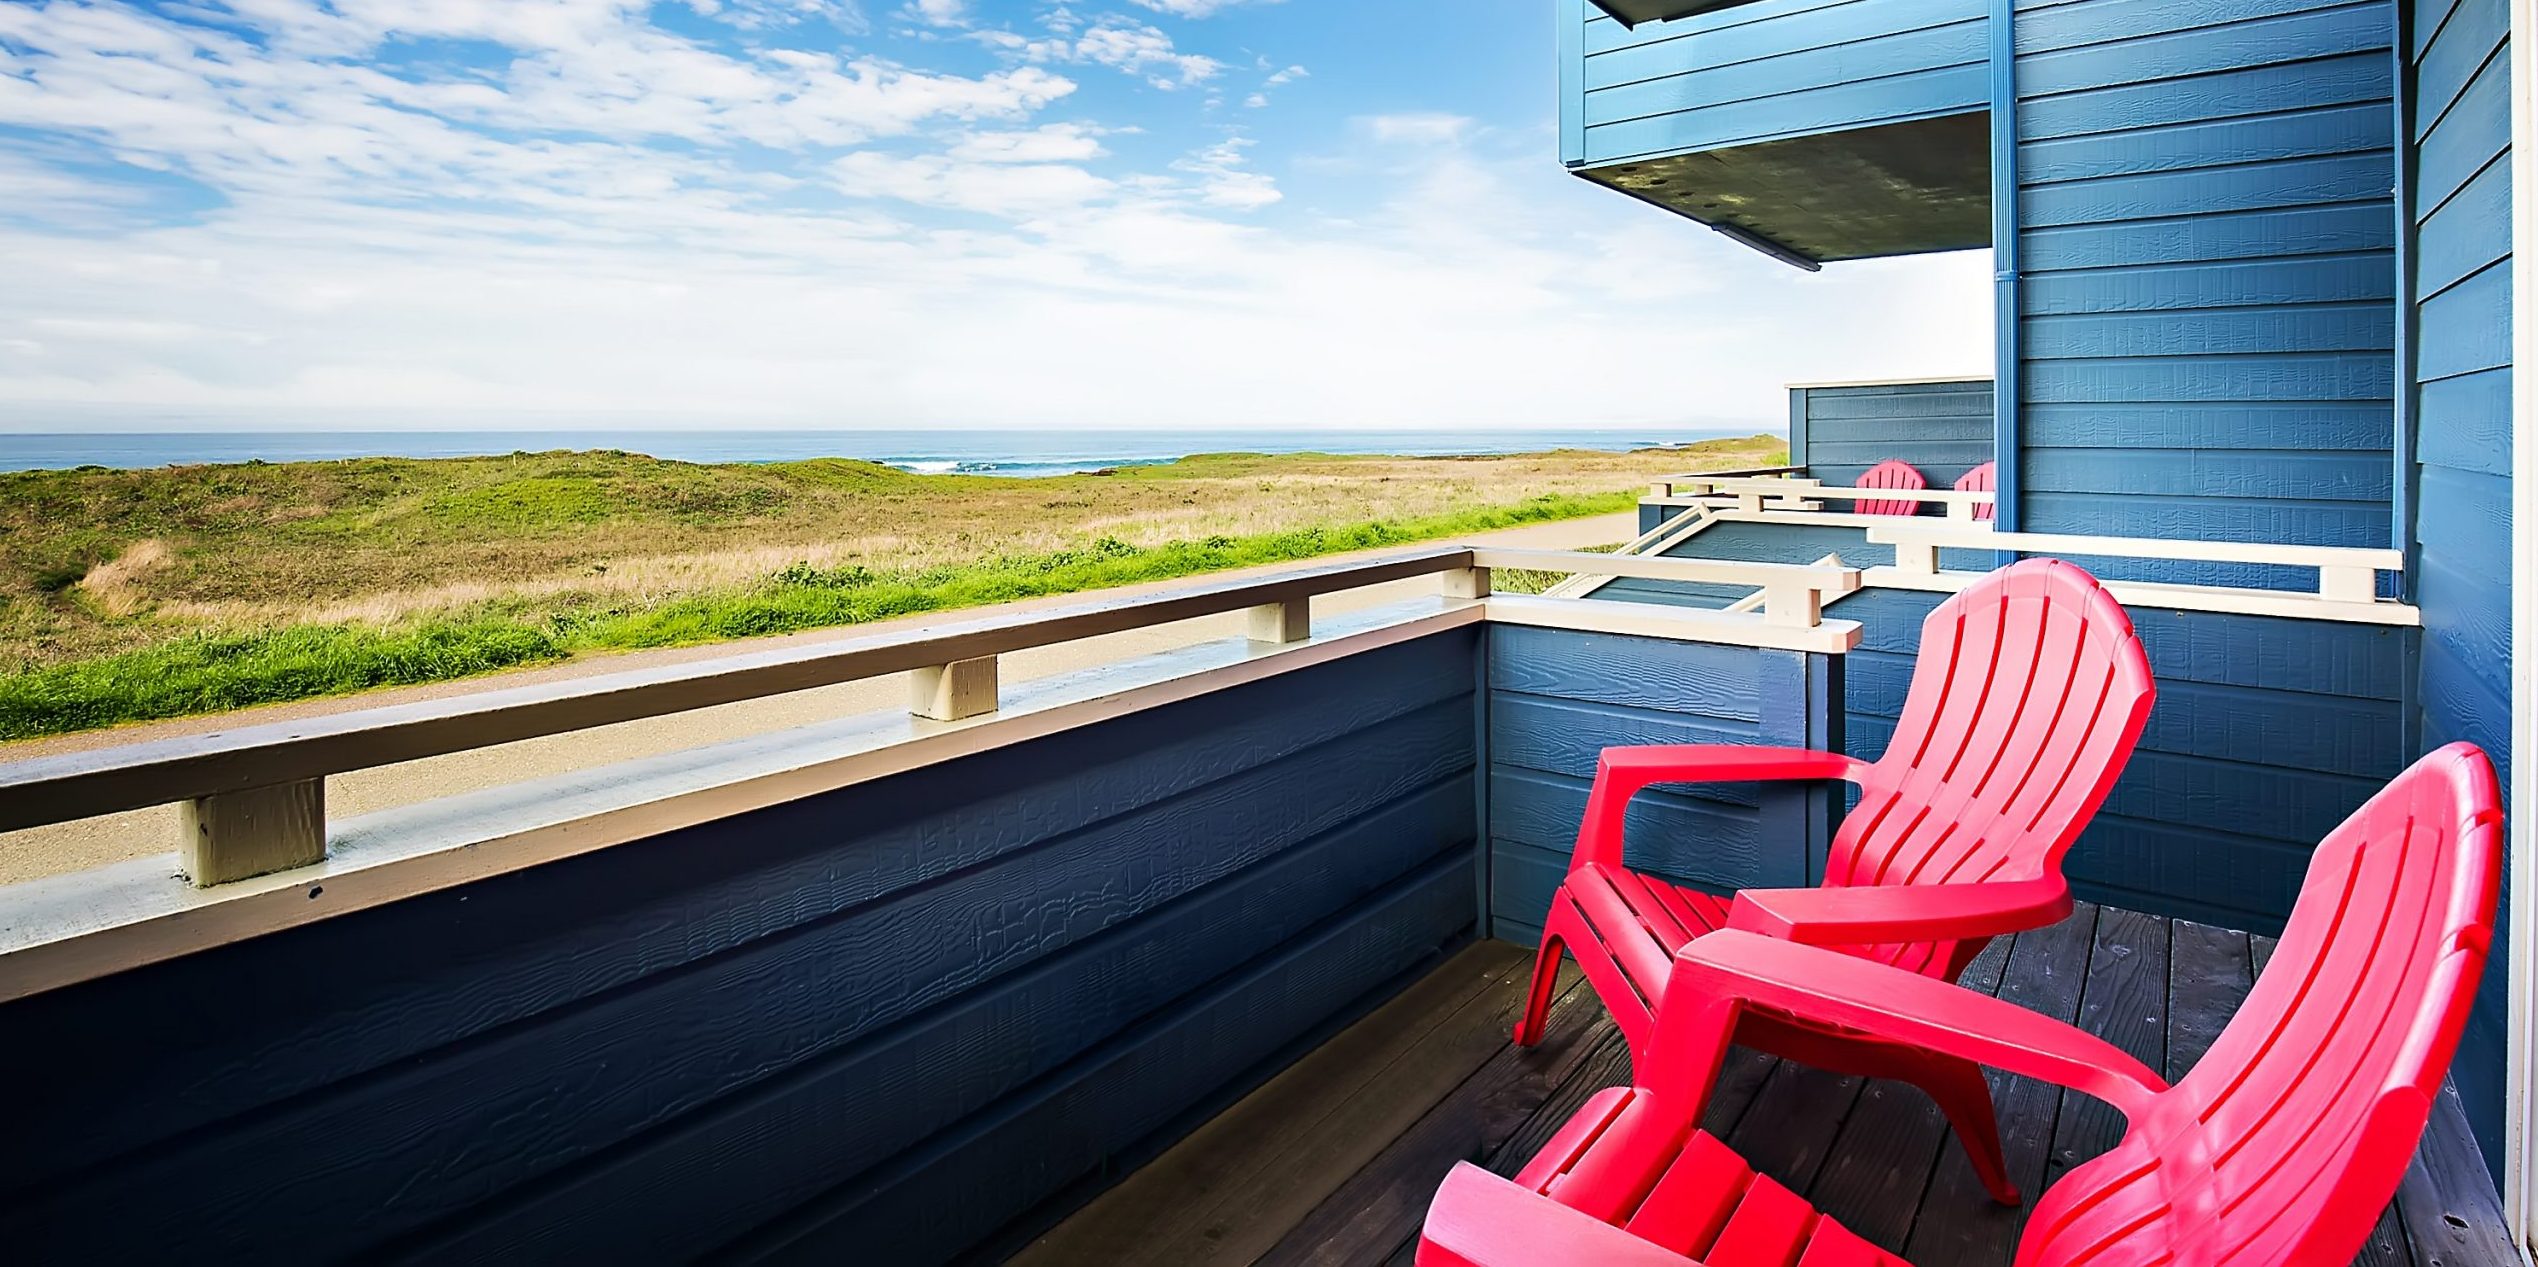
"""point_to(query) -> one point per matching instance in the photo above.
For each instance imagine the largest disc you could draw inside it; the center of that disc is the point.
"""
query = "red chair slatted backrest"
(1895, 474)
(2027, 696)
(2286, 1141)
(1978, 480)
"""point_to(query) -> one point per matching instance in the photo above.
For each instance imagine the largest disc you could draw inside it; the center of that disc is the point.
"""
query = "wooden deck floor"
(1335, 1159)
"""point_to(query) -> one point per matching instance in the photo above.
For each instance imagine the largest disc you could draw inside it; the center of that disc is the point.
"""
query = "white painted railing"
(2348, 577)
(257, 852)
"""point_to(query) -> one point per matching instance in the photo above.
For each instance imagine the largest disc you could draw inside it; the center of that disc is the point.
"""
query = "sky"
(272, 214)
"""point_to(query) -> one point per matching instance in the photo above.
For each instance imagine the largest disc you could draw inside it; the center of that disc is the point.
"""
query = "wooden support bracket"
(1466, 582)
(950, 692)
(1290, 621)
(237, 835)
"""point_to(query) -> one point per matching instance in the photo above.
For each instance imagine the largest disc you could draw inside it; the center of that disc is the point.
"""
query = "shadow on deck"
(1335, 1159)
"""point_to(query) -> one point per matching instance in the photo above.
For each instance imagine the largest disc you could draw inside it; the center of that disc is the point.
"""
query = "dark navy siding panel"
(2267, 733)
(575, 1059)
(1944, 429)
(1558, 698)
(2461, 383)
(1769, 70)
(2207, 235)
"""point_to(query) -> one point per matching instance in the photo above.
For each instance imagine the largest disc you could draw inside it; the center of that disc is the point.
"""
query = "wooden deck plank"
(1381, 1205)
(1959, 1223)
(1879, 1157)
(2125, 1002)
(1228, 1192)
(1883, 1162)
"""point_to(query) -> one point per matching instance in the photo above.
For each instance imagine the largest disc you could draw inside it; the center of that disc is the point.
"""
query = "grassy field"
(134, 595)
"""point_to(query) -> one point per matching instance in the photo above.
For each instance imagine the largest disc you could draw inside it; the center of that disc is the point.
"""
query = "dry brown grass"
(96, 562)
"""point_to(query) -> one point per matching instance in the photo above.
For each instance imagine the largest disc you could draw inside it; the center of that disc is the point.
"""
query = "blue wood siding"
(1558, 698)
(1944, 429)
(2267, 733)
(868, 1026)
(2207, 233)
(1764, 71)
(2459, 290)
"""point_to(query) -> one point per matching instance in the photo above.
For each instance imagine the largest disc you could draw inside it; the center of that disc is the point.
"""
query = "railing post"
(1290, 621)
(1794, 606)
(238, 835)
(1466, 582)
(950, 692)
(2348, 585)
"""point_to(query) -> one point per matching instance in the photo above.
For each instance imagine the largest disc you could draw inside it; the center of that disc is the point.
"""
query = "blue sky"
(482, 213)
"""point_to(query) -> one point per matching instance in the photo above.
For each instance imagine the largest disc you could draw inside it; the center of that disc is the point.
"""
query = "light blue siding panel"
(1821, 27)
(2323, 33)
(2458, 50)
(2216, 474)
(1792, 74)
(2464, 424)
(2107, 21)
(2302, 182)
(1771, 70)
(1918, 94)
(2188, 236)
(2283, 376)
(2366, 126)
(2352, 78)
(2198, 284)
(2341, 327)
(2468, 232)
(2451, 156)
(2263, 425)
(2467, 327)
(1942, 429)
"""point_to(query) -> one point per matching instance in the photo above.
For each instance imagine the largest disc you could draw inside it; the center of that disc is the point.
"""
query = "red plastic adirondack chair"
(1979, 480)
(2280, 1148)
(1896, 474)
(2028, 693)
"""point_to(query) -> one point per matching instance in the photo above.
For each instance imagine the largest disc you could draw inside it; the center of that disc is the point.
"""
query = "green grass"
(203, 674)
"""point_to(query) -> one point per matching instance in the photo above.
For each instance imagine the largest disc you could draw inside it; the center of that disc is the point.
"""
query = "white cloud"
(937, 12)
(1193, 8)
(615, 224)
(1139, 49)
(1224, 179)
(1001, 188)
(1048, 143)
(1417, 127)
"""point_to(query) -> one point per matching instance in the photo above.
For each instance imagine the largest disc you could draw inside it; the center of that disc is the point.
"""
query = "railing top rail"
(1940, 533)
(85, 784)
(1842, 492)
(1828, 578)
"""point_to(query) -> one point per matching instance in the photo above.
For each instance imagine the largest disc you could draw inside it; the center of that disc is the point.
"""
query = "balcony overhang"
(1634, 12)
(1856, 193)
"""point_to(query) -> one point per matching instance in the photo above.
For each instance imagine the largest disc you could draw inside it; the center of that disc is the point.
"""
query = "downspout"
(2403, 486)
(2005, 376)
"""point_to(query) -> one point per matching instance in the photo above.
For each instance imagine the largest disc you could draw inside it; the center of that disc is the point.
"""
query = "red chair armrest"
(1481, 1220)
(1623, 772)
(1869, 915)
(1826, 986)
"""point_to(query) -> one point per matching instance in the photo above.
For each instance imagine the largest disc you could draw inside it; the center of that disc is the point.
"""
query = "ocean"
(981, 452)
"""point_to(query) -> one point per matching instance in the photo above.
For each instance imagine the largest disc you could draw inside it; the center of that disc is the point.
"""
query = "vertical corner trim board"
(2457, 290)
(724, 1038)
(1559, 697)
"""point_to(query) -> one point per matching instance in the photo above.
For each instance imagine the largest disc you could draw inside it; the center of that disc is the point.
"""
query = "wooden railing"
(1798, 494)
(2347, 589)
(254, 795)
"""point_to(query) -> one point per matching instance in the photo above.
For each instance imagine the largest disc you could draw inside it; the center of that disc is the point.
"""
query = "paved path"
(116, 837)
